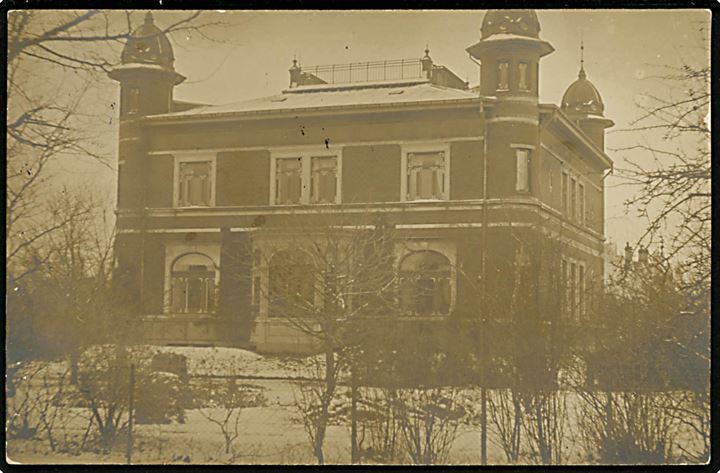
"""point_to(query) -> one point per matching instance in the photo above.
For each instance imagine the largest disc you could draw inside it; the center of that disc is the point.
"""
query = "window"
(573, 291)
(581, 291)
(195, 183)
(425, 284)
(564, 193)
(288, 180)
(503, 75)
(523, 76)
(573, 198)
(292, 291)
(565, 296)
(581, 204)
(304, 178)
(426, 175)
(134, 100)
(192, 287)
(522, 178)
(323, 182)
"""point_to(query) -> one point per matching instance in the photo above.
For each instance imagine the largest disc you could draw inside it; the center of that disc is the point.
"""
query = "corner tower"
(509, 52)
(146, 73)
(147, 78)
(583, 104)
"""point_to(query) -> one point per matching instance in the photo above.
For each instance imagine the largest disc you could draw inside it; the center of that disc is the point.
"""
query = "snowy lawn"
(270, 432)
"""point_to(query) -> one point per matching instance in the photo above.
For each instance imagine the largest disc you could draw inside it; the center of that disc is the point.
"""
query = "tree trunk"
(353, 418)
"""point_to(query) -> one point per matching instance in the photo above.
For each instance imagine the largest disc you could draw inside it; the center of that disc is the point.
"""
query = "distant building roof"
(330, 96)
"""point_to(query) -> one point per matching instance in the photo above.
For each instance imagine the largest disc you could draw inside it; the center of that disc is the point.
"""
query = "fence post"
(131, 408)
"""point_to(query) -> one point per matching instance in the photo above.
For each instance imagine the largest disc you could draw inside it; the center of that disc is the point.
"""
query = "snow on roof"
(504, 36)
(333, 96)
(139, 65)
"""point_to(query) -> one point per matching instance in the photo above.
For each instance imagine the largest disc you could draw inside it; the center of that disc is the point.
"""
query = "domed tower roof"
(582, 96)
(148, 45)
(517, 22)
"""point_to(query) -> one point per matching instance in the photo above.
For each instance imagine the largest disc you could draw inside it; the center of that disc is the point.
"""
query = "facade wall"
(466, 170)
(159, 178)
(306, 129)
(559, 155)
(371, 173)
(524, 228)
(242, 178)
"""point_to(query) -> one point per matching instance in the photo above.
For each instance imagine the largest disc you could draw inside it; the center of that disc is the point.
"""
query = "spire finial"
(149, 18)
(582, 74)
(427, 50)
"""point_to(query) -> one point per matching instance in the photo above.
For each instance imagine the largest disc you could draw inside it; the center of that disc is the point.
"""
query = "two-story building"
(469, 179)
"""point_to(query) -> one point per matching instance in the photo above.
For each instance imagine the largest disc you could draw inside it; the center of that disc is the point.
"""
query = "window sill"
(438, 199)
(187, 207)
(307, 204)
(181, 316)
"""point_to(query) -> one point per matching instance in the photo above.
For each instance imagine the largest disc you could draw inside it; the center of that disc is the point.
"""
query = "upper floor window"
(522, 178)
(134, 101)
(581, 204)
(564, 193)
(523, 81)
(323, 181)
(288, 181)
(573, 198)
(192, 284)
(425, 284)
(427, 175)
(503, 74)
(302, 178)
(195, 182)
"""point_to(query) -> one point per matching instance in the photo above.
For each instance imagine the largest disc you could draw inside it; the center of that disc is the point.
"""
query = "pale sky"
(250, 58)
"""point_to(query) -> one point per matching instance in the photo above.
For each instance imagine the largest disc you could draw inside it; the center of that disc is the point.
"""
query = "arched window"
(193, 284)
(292, 290)
(425, 284)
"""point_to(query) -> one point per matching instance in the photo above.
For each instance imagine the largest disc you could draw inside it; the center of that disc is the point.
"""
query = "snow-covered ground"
(271, 433)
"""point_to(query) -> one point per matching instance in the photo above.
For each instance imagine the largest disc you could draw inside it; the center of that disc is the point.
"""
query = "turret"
(509, 52)
(583, 104)
(147, 78)
(146, 73)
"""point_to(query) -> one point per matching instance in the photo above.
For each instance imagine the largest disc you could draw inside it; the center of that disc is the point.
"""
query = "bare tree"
(429, 419)
(506, 415)
(649, 377)
(55, 58)
(674, 188)
(224, 411)
(327, 280)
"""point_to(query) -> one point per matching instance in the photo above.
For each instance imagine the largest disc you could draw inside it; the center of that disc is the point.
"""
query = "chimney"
(295, 73)
(643, 256)
(628, 255)
(427, 63)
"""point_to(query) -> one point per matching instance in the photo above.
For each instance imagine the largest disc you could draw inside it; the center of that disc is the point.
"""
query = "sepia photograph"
(376, 237)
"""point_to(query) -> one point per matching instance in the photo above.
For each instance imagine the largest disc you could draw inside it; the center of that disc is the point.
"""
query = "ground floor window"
(193, 284)
(292, 288)
(425, 279)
